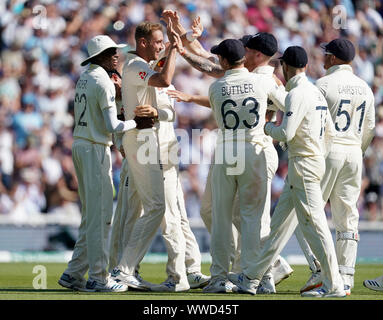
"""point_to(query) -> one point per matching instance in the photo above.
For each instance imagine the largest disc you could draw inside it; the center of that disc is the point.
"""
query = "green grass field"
(16, 283)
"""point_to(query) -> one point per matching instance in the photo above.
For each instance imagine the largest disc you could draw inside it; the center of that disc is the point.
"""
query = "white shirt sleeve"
(166, 114)
(369, 125)
(139, 73)
(277, 95)
(113, 125)
(292, 118)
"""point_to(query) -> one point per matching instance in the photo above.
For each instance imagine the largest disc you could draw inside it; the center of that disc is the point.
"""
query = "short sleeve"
(138, 73)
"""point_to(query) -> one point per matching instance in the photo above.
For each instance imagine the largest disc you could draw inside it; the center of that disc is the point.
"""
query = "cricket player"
(239, 101)
(175, 214)
(139, 81)
(351, 104)
(259, 52)
(306, 127)
(127, 209)
(175, 225)
(95, 121)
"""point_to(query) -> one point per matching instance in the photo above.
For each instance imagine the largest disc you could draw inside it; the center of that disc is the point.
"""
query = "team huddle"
(326, 128)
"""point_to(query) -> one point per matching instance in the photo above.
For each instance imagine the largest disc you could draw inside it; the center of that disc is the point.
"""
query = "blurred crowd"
(42, 43)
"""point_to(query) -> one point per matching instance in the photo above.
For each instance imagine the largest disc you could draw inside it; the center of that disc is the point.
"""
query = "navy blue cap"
(245, 39)
(231, 49)
(343, 49)
(264, 42)
(295, 56)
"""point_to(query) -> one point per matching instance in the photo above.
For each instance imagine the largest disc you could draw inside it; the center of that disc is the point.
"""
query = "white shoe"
(374, 284)
(110, 286)
(315, 281)
(70, 282)
(243, 283)
(197, 280)
(266, 286)
(348, 281)
(169, 285)
(281, 270)
(130, 280)
(322, 293)
(219, 285)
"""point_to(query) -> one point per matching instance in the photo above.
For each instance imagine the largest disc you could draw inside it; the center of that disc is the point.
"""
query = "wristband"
(190, 37)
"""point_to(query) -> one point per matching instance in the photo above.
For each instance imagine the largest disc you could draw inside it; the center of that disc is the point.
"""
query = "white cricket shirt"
(306, 124)
(351, 105)
(278, 93)
(94, 93)
(239, 101)
(135, 89)
(166, 134)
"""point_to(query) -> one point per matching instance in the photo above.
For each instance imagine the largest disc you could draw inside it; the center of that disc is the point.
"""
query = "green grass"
(16, 283)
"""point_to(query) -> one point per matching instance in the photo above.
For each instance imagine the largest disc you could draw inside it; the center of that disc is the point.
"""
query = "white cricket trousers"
(252, 188)
(127, 211)
(302, 192)
(93, 167)
(206, 203)
(171, 229)
(147, 174)
(342, 184)
(192, 252)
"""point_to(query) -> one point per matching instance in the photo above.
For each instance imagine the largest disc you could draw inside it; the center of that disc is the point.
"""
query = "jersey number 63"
(232, 103)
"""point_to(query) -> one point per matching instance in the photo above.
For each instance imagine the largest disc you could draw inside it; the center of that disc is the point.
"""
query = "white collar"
(295, 81)
(264, 70)
(339, 67)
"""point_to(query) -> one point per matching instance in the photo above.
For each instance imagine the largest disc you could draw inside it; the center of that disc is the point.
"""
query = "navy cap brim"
(245, 39)
(324, 45)
(214, 49)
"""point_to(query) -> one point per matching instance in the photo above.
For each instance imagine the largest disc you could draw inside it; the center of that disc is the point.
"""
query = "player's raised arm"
(203, 64)
(164, 78)
(193, 52)
(189, 38)
(185, 97)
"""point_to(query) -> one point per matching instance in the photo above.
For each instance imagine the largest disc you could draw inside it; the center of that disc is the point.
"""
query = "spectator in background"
(40, 55)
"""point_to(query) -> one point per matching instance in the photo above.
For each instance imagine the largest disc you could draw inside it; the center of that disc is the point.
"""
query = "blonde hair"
(145, 30)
